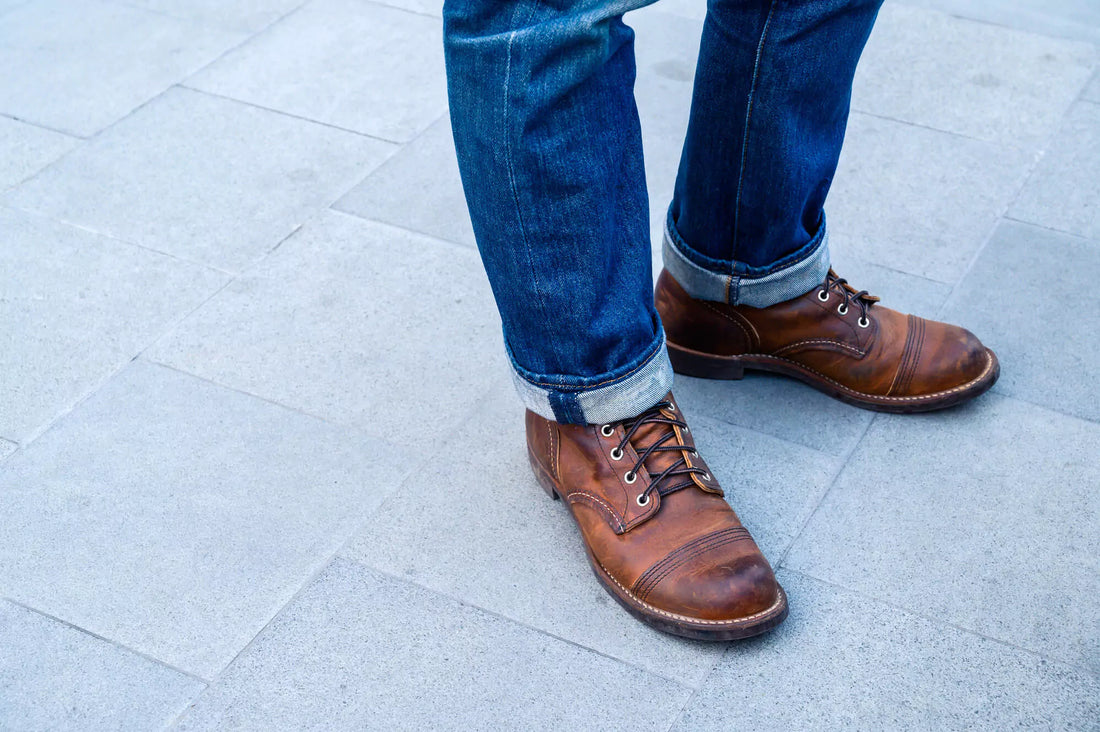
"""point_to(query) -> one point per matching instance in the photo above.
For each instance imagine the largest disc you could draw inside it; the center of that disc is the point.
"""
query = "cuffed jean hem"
(602, 399)
(806, 271)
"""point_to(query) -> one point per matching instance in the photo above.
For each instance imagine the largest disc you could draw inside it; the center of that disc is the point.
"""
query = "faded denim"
(549, 147)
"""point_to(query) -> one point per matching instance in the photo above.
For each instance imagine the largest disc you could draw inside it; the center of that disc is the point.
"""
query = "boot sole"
(709, 366)
(668, 622)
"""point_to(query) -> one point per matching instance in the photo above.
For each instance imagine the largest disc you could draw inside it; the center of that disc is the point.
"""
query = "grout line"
(1045, 227)
(410, 11)
(291, 115)
(961, 135)
(520, 623)
(841, 464)
(406, 229)
(939, 621)
(39, 125)
(109, 641)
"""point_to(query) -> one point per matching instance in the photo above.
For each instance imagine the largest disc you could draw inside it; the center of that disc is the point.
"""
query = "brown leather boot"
(657, 531)
(834, 339)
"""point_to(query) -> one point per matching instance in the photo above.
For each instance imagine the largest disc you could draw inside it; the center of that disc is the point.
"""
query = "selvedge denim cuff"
(806, 271)
(611, 397)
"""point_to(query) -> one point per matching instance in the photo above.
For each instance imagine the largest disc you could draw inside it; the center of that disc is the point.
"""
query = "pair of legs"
(550, 150)
(549, 147)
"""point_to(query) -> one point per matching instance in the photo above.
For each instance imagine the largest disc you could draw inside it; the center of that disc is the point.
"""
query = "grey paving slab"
(176, 517)
(1015, 299)
(1078, 19)
(74, 307)
(7, 447)
(425, 7)
(666, 49)
(982, 517)
(247, 16)
(6, 5)
(984, 81)
(356, 322)
(898, 290)
(399, 191)
(359, 650)
(500, 518)
(204, 178)
(85, 64)
(55, 677)
(776, 406)
(1092, 91)
(842, 661)
(26, 149)
(1064, 190)
(919, 200)
(353, 64)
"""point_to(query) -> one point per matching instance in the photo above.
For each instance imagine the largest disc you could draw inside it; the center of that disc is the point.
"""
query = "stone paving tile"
(201, 177)
(71, 80)
(356, 322)
(424, 7)
(1079, 19)
(54, 677)
(842, 661)
(6, 5)
(358, 650)
(7, 447)
(776, 406)
(425, 170)
(666, 49)
(1092, 91)
(1064, 191)
(1015, 298)
(75, 307)
(898, 290)
(176, 517)
(983, 81)
(979, 517)
(26, 149)
(247, 16)
(348, 63)
(918, 200)
(493, 514)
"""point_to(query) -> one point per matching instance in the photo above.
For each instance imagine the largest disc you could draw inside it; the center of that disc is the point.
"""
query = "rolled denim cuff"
(610, 397)
(801, 273)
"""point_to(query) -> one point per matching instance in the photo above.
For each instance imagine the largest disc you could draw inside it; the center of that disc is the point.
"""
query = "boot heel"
(542, 477)
(703, 365)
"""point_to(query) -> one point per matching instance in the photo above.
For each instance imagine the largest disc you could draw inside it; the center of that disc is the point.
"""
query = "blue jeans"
(550, 151)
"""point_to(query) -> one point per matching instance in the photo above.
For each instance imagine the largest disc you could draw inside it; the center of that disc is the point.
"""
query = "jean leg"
(549, 147)
(771, 99)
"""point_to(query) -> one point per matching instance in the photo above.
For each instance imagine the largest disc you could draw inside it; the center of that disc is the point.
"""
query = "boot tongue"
(649, 434)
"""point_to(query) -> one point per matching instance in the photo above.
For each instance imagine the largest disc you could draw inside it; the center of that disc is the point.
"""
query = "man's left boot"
(835, 339)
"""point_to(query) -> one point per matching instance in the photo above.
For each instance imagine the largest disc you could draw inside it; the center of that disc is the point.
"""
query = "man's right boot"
(658, 533)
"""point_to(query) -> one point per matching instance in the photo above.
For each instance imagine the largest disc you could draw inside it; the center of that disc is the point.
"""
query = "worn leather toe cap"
(942, 357)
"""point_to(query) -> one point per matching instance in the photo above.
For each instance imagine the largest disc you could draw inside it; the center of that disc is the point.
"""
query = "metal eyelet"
(706, 476)
(864, 322)
(630, 477)
(823, 296)
(641, 502)
(671, 407)
(695, 453)
(607, 430)
(685, 429)
(842, 309)
(616, 454)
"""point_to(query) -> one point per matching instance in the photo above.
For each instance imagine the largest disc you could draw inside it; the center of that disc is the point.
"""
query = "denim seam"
(511, 166)
(748, 122)
(605, 382)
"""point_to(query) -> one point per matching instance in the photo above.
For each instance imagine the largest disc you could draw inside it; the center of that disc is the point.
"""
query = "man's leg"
(550, 152)
(747, 229)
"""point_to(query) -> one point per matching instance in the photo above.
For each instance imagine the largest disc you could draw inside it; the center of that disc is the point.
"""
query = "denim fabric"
(549, 147)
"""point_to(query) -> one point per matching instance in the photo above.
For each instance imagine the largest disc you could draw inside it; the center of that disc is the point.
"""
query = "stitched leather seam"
(676, 553)
(644, 589)
(926, 397)
(676, 616)
(823, 341)
(904, 355)
(730, 318)
(916, 355)
(581, 495)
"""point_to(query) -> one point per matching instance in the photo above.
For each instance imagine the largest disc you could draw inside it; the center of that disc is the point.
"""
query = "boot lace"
(664, 482)
(848, 296)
